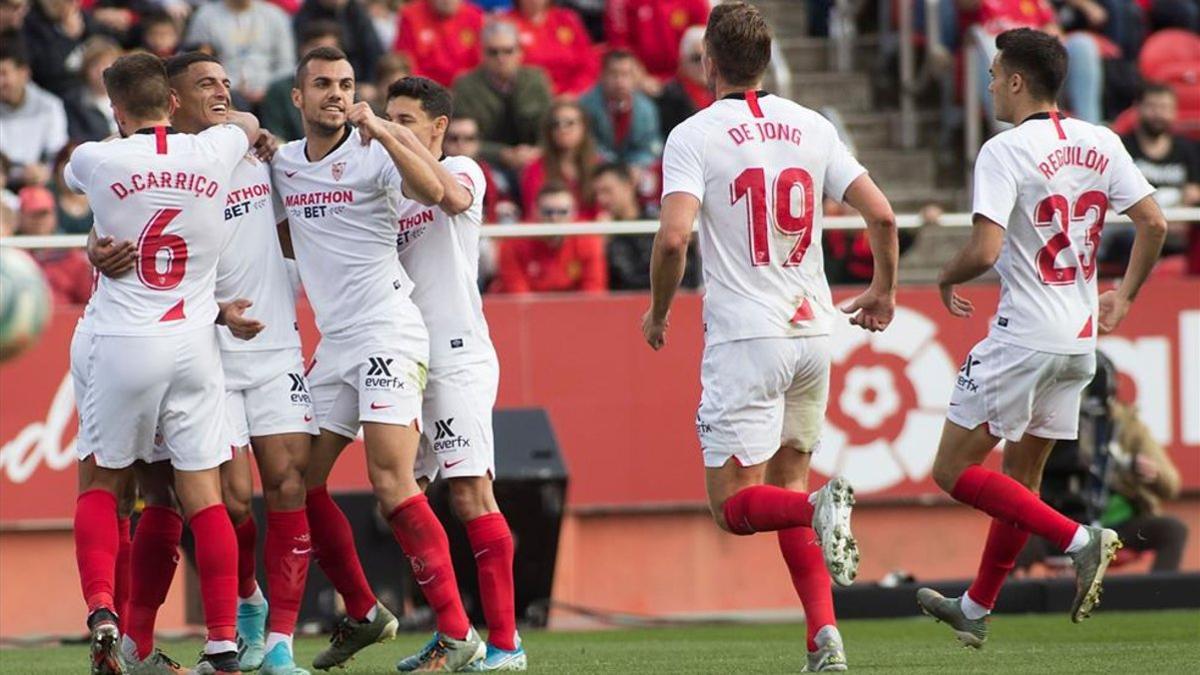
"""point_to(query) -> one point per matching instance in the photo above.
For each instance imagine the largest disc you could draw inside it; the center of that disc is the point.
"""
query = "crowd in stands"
(565, 104)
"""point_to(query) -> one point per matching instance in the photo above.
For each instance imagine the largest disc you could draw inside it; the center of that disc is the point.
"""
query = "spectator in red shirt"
(652, 29)
(688, 92)
(441, 38)
(67, 270)
(555, 39)
(550, 264)
(568, 158)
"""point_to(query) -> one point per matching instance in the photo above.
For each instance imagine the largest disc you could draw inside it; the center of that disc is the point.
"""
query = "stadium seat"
(1171, 56)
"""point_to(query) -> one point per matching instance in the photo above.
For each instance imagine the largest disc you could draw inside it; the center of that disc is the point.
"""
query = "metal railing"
(620, 229)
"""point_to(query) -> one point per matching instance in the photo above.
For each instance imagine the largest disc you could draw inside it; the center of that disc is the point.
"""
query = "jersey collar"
(154, 130)
(345, 137)
(741, 95)
(1045, 115)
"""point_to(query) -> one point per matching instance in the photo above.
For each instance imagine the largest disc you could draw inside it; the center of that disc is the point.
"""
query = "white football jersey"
(252, 266)
(759, 164)
(1049, 182)
(441, 255)
(165, 191)
(341, 211)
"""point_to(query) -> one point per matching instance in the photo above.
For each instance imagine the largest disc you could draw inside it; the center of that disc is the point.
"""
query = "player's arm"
(873, 310)
(1150, 231)
(668, 260)
(247, 123)
(419, 182)
(285, 239)
(111, 258)
(977, 257)
(232, 314)
(456, 198)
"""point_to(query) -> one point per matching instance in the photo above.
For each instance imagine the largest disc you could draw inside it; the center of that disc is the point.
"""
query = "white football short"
(266, 393)
(760, 395)
(456, 417)
(1019, 391)
(129, 387)
(376, 377)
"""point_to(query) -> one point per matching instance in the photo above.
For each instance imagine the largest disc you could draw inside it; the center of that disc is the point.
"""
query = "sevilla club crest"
(338, 169)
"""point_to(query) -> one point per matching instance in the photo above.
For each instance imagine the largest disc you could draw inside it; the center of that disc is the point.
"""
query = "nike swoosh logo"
(953, 404)
(479, 553)
(376, 406)
(422, 582)
(451, 465)
(297, 551)
(289, 174)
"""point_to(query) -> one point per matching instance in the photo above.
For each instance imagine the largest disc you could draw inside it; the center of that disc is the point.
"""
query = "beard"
(1153, 128)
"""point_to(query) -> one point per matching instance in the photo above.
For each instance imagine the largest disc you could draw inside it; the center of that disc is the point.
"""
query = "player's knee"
(391, 486)
(470, 498)
(238, 508)
(285, 490)
(945, 474)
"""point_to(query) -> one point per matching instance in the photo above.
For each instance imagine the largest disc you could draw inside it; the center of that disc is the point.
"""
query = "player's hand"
(111, 258)
(233, 316)
(1113, 309)
(654, 331)
(370, 126)
(955, 303)
(266, 146)
(873, 310)
(1146, 469)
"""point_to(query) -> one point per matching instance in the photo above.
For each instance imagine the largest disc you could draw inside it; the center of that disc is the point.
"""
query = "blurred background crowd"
(566, 104)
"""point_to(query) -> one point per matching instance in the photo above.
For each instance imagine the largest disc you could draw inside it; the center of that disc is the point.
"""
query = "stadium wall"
(637, 537)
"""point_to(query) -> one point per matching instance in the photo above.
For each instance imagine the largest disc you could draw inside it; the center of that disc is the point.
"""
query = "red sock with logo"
(424, 542)
(287, 553)
(810, 578)
(96, 546)
(1004, 544)
(123, 578)
(766, 508)
(1010, 502)
(247, 539)
(492, 544)
(333, 547)
(154, 559)
(217, 565)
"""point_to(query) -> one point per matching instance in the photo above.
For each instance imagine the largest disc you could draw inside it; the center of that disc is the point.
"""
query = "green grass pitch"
(1117, 642)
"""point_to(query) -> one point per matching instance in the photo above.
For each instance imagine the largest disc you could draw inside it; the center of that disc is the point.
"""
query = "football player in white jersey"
(439, 248)
(145, 355)
(267, 403)
(754, 168)
(341, 186)
(1042, 190)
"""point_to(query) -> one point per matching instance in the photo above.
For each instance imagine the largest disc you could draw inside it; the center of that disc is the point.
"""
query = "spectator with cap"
(568, 158)
(54, 31)
(33, 124)
(253, 39)
(652, 30)
(555, 40)
(687, 92)
(553, 264)
(160, 34)
(277, 113)
(623, 119)
(629, 255)
(358, 41)
(507, 99)
(89, 113)
(441, 38)
(67, 270)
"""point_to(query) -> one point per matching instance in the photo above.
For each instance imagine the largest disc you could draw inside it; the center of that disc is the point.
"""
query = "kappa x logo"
(298, 383)
(444, 429)
(379, 367)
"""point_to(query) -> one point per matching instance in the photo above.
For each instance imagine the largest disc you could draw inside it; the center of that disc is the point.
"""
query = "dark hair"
(1038, 57)
(553, 187)
(583, 156)
(738, 40)
(435, 99)
(138, 83)
(154, 18)
(1156, 89)
(178, 64)
(618, 169)
(318, 54)
(12, 48)
(614, 55)
(315, 30)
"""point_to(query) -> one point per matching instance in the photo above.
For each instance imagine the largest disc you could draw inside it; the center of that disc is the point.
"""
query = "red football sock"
(1004, 543)
(806, 564)
(155, 556)
(96, 547)
(424, 542)
(765, 508)
(287, 553)
(247, 538)
(217, 565)
(1010, 502)
(333, 546)
(123, 578)
(492, 543)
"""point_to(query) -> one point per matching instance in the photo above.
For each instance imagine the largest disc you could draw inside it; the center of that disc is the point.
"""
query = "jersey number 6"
(1056, 207)
(151, 242)
(752, 184)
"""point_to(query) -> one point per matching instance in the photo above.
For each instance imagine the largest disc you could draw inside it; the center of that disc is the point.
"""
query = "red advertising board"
(624, 415)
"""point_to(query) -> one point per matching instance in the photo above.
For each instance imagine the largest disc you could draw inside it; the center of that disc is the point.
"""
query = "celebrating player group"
(187, 363)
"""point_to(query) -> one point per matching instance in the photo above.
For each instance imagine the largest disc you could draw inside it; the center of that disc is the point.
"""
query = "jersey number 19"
(792, 202)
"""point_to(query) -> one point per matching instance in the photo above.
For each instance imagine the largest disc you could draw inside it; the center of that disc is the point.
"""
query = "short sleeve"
(468, 174)
(382, 165)
(229, 144)
(683, 161)
(79, 168)
(995, 194)
(1126, 184)
(277, 205)
(841, 170)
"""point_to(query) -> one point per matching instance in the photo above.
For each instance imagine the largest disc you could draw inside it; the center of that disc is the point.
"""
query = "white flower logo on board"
(888, 396)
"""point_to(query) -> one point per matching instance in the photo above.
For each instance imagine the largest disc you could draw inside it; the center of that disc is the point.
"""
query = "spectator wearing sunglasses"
(553, 264)
(687, 92)
(568, 158)
(441, 38)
